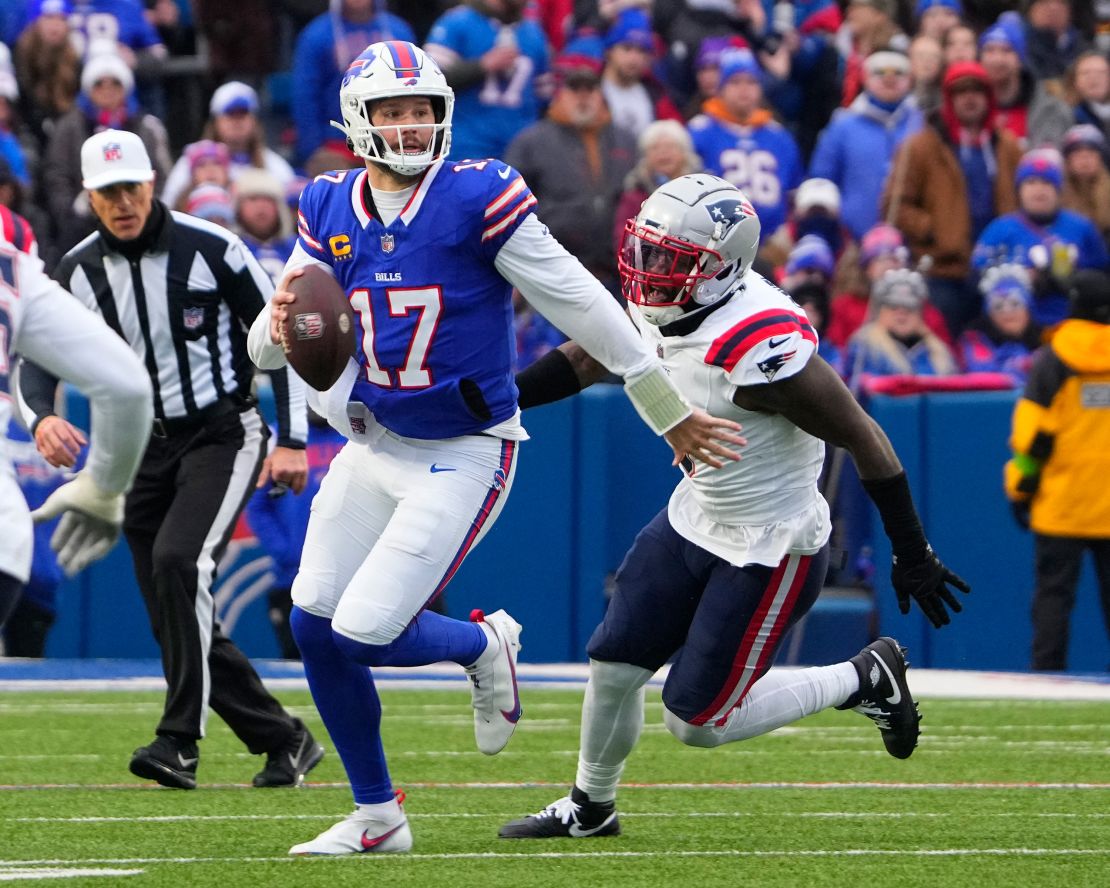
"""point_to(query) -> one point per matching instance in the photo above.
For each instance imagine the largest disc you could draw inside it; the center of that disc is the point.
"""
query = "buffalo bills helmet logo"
(359, 65)
(729, 212)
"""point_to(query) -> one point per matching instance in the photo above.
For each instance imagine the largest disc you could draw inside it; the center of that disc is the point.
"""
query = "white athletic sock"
(612, 717)
(780, 697)
(386, 812)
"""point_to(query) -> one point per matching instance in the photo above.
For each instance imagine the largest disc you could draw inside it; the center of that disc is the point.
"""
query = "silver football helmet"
(387, 70)
(694, 238)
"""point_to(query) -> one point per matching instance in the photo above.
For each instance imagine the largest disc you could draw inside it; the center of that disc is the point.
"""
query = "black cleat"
(571, 817)
(167, 761)
(287, 765)
(884, 695)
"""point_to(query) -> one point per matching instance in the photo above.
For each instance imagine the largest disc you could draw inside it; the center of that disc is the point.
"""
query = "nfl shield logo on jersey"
(387, 243)
(192, 318)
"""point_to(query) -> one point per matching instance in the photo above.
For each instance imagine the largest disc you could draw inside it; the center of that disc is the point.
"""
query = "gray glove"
(90, 526)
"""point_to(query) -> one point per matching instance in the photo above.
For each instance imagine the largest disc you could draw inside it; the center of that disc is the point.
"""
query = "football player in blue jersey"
(428, 252)
(739, 554)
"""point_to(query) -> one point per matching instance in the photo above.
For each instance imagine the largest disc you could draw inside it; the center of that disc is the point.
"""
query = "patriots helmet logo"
(772, 365)
(729, 212)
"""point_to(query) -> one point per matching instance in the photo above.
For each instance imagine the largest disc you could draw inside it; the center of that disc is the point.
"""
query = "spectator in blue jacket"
(1004, 338)
(1042, 236)
(324, 49)
(856, 148)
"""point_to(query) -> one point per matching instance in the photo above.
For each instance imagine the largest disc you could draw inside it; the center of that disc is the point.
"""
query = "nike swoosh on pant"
(897, 696)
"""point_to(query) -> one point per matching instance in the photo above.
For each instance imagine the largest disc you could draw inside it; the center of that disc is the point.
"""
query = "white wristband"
(657, 400)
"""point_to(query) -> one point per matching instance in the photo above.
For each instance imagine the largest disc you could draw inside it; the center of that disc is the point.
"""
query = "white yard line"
(592, 855)
(624, 786)
(926, 683)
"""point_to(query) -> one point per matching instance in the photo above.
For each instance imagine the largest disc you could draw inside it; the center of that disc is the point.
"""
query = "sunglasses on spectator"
(894, 72)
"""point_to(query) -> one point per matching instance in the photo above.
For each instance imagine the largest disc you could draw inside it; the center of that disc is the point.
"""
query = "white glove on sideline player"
(90, 526)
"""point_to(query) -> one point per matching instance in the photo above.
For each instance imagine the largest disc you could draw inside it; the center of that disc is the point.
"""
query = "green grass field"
(999, 793)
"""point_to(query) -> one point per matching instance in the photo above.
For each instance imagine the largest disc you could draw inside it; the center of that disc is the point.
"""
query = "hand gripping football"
(318, 335)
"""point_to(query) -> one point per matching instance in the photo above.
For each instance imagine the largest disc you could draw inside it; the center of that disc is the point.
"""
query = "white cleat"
(359, 834)
(494, 693)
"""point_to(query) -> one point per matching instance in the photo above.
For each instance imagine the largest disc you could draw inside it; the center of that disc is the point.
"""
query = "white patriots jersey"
(766, 504)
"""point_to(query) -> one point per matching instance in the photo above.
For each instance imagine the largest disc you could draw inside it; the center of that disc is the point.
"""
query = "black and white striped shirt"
(184, 305)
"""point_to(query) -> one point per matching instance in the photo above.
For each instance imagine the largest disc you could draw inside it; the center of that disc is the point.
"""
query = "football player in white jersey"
(740, 553)
(39, 320)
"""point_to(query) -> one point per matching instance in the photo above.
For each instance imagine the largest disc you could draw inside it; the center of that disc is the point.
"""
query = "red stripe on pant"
(508, 448)
(751, 642)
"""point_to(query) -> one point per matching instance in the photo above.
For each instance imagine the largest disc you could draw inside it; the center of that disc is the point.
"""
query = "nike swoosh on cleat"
(513, 715)
(436, 467)
(186, 763)
(896, 697)
(578, 831)
(369, 844)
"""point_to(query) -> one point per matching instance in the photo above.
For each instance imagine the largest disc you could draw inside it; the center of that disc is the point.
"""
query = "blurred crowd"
(928, 173)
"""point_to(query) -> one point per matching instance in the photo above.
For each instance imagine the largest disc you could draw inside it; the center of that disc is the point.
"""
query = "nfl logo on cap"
(387, 243)
(112, 152)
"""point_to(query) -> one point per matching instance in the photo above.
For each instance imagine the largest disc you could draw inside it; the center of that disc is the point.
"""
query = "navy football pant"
(722, 624)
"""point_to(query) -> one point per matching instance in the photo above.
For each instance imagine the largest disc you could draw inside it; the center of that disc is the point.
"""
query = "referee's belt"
(166, 428)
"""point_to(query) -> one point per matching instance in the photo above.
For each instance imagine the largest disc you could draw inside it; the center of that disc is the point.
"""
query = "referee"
(182, 292)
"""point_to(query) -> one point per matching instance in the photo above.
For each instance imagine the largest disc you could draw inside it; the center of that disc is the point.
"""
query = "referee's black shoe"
(884, 695)
(168, 761)
(287, 765)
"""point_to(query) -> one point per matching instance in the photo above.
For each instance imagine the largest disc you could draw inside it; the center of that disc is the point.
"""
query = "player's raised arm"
(817, 401)
(571, 298)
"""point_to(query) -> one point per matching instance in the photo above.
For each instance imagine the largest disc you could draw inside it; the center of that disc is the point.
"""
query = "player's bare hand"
(285, 466)
(281, 298)
(705, 438)
(59, 442)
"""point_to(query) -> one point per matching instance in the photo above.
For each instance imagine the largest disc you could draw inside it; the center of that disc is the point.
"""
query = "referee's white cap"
(114, 156)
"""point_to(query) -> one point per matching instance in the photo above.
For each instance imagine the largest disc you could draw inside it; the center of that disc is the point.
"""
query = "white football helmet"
(386, 70)
(694, 238)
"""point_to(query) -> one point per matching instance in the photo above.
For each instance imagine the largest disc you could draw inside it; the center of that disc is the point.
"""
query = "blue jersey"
(488, 114)
(763, 161)
(435, 317)
(98, 25)
(1070, 241)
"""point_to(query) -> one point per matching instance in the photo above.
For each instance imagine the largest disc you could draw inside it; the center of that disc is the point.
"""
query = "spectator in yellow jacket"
(1056, 481)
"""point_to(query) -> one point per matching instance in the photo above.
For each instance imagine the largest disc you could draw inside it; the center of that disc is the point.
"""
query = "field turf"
(999, 793)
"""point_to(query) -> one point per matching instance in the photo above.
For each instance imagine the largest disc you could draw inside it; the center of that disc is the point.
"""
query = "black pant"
(191, 487)
(1058, 560)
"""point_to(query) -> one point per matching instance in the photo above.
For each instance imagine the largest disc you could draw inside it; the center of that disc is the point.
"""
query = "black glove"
(925, 581)
(1021, 513)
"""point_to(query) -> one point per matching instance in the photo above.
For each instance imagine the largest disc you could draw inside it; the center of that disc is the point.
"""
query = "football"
(318, 335)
